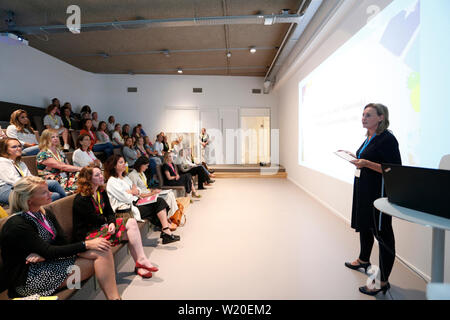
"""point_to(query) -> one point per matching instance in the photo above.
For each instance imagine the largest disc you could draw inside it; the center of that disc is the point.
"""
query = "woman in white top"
(83, 156)
(138, 177)
(20, 129)
(117, 138)
(53, 121)
(158, 146)
(123, 194)
(95, 122)
(111, 124)
(12, 170)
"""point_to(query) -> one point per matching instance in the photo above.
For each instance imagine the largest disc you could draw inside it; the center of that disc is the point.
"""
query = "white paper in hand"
(344, 155)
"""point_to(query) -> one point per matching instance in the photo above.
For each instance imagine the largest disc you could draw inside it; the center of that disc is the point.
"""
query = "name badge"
(357, 173)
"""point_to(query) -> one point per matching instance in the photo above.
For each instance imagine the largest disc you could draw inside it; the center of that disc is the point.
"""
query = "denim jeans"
(107, 148)
(30, 151)
(53, 186)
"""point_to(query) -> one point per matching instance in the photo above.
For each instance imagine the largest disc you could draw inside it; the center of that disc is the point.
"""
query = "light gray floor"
(259, 239)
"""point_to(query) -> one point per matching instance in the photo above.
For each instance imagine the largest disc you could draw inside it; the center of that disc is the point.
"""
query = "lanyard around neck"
(57, 156)
(143, 178)
(19, 170)
(366, 143)
(98, 201)
(43, 223)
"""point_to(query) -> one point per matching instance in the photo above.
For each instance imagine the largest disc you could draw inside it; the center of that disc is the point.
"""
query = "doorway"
(255, 139)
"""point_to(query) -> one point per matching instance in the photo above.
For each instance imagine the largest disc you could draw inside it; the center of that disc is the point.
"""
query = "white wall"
(157, 92)
(31, 77)
(413, 242)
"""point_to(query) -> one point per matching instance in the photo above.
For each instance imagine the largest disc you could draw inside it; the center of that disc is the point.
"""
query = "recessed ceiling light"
(252, 49)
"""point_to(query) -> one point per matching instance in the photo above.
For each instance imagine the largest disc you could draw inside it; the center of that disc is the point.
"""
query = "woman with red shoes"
(93, 217)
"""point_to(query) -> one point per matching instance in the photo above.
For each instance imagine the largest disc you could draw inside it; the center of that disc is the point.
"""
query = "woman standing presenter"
(380, 147)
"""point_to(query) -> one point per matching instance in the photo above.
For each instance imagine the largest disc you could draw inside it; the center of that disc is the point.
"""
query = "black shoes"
(372, 292)
(365, 266)
(168, 238)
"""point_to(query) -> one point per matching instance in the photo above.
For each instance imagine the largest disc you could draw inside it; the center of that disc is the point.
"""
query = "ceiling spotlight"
(228, 54)
(252, 49)
(179, 70)
(166, 53)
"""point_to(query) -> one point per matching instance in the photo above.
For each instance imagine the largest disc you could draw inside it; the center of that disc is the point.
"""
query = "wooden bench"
(62, 209)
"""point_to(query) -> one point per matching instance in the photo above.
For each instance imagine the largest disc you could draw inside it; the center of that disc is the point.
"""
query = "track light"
(228, 54)
(252, 49)
(179, 70)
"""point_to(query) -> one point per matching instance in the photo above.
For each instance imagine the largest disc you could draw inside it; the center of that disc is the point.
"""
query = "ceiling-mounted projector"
(11, 38)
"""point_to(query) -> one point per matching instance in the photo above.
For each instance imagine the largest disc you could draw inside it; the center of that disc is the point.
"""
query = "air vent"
(256, 91)
(132, 89)
(197, 90)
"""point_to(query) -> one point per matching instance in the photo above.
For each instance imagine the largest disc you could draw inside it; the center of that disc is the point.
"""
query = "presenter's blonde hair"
(381, 110)
(22, 192)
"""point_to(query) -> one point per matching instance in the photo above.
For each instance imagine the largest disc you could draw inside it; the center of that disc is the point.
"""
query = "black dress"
(185, 178)
(383, 148)
(22, 235)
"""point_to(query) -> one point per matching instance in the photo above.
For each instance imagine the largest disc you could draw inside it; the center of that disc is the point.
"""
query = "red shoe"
(151, 269)
(146, 275)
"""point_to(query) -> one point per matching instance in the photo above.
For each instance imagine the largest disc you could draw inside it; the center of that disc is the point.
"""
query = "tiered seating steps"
(248, 171)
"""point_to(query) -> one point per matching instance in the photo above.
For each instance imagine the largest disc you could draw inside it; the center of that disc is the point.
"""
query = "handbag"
(179, 218)
(124, 213)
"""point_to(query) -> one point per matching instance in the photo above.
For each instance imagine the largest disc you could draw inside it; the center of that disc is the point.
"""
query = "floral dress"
(67, 180)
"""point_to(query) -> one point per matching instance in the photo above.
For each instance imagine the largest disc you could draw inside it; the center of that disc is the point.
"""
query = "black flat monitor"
(422, 189)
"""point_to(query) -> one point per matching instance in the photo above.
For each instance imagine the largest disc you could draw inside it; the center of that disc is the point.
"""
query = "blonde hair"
(22, 192)
(45, 141)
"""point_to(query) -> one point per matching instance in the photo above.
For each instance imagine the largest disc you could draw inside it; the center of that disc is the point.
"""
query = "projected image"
(380, 64)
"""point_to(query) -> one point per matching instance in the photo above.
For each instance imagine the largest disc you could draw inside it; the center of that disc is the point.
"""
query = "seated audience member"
(142, 130)
(138, 177)
(136, 132)
(20, 128)
(151, 152)
(166, 147)
(123, 194)
(172, 178)
(158, 145)
(116, 137)
(102, 136)
(96, 145)
(56, 103)
(86, 112)
(111, 124)
(126, 131)
(186, 166)
(129, 152)
(53, 121)
(140, 148)
(68, 121)
(93, 217)
(36, 254)
(52, 163)
(12, 169)
(84, 156)
(95, 122)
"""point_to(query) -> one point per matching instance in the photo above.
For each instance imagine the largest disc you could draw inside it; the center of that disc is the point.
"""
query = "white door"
(229, 121)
